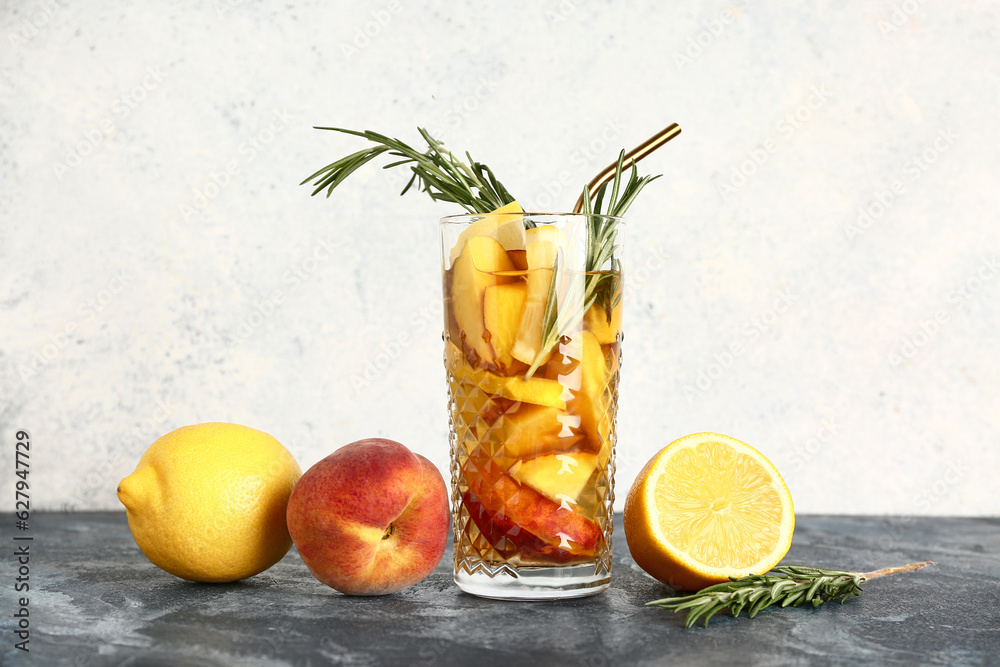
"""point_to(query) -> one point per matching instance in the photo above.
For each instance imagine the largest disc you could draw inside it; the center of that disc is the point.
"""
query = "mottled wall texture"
(817, 273)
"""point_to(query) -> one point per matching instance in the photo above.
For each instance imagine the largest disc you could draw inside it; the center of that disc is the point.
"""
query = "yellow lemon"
(705, 508)
(207, 502)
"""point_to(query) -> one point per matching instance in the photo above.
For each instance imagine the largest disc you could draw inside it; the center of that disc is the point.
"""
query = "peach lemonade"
(532, 358)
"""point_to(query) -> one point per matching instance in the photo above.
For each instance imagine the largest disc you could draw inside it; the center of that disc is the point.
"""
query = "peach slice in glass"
(502, 306)
(472, 274)
(502, 495)
(531, 430)
(561, 477)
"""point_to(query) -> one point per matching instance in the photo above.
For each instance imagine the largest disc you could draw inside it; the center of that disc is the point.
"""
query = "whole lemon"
(207, 502)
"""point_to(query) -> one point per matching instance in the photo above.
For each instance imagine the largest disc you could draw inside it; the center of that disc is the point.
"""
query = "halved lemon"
(705, 508)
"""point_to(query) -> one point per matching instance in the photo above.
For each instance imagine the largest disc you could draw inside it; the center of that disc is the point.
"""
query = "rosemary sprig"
(792, 585)
(603, 233)
(601, 285)
(473, 185)
(437, 171)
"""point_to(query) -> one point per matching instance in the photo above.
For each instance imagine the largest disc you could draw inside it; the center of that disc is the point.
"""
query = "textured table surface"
(96, 600)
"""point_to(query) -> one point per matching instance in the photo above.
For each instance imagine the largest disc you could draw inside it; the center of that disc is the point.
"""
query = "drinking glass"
(532, 309)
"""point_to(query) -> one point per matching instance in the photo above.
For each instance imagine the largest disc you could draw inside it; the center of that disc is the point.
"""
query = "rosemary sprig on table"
(438, 172)
(601, 285)
(791, 585)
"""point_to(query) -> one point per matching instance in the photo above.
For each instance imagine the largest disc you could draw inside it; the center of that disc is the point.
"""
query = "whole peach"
(371, 518)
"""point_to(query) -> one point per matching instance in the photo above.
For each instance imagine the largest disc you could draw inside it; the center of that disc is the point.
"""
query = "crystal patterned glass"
(532, 309)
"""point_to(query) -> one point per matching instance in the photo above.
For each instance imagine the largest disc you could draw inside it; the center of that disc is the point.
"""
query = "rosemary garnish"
(792, 585)
(602, 285)
(472, 185)
(602, 233)
(439, 173)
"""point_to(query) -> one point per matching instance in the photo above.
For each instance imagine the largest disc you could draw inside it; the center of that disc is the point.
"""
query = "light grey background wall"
(816, 273)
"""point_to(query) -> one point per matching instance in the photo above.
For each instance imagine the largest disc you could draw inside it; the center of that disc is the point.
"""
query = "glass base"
(535, 583)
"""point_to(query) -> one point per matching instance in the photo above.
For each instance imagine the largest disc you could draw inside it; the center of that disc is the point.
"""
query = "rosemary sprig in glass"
(601, 285)
(473, 185)
(791, 585)
(437, 170)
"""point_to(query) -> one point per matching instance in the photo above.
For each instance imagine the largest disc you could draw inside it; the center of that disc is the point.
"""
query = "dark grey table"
(94, 599)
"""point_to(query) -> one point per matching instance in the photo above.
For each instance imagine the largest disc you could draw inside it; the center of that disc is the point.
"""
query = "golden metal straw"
(636, 154)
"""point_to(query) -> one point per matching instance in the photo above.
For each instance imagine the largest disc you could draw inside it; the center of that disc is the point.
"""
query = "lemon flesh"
(705, 508)
(730, 518)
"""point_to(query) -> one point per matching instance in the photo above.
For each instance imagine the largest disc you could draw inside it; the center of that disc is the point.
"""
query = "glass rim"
(465, 218)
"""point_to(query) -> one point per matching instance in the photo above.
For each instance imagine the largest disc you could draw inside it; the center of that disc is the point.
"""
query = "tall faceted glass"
(533, 307)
